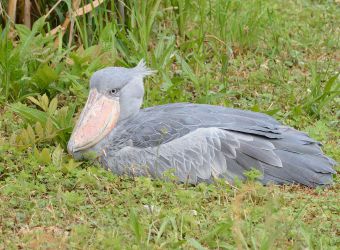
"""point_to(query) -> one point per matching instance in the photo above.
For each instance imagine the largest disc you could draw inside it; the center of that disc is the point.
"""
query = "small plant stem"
(12, 9)
(27, 14)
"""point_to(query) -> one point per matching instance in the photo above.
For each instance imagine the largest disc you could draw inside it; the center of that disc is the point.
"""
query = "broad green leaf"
(38, 24)
(187, 70)
(66, 168)
(39, 130)
(34, 100)
(136, 226)
(57, 156)
(32, 115)
(49, 129)
(44, 76)
(24, 137)
(36, 153)
(13, 139)
(45, 156)
(53, 106)
(44, 102)
(31, 134)
(330, 83)
(23, 31)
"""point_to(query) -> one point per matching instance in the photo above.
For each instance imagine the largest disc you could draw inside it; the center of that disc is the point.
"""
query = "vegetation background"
(277, 57)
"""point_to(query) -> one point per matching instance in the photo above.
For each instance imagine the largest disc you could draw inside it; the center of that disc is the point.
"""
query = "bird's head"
(116, 93)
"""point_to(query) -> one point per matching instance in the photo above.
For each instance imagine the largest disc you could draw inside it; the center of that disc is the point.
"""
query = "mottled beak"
(98, 118)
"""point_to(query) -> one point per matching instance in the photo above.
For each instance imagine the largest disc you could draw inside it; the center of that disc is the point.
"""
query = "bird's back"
(208, 139)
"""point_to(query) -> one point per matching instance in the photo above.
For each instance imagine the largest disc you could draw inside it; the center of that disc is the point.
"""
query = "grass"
(282, 59)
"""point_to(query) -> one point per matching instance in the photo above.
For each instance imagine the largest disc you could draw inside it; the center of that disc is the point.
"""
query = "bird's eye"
(113, 91)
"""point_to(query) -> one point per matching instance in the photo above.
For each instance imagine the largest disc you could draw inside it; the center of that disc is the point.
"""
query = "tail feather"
(295, 173)
(316, 163)
(302, 160)
(299, 148)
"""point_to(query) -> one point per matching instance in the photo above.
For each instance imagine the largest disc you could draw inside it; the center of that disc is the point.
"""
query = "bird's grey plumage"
(200, 142)
(203, 142)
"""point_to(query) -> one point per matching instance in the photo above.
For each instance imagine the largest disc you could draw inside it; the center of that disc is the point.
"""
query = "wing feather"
(202, 142)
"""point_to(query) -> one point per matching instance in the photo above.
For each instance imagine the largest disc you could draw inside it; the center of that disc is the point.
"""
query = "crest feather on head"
(142, 70)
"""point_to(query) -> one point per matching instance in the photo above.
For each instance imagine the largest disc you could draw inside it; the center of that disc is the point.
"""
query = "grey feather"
(203, 142)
